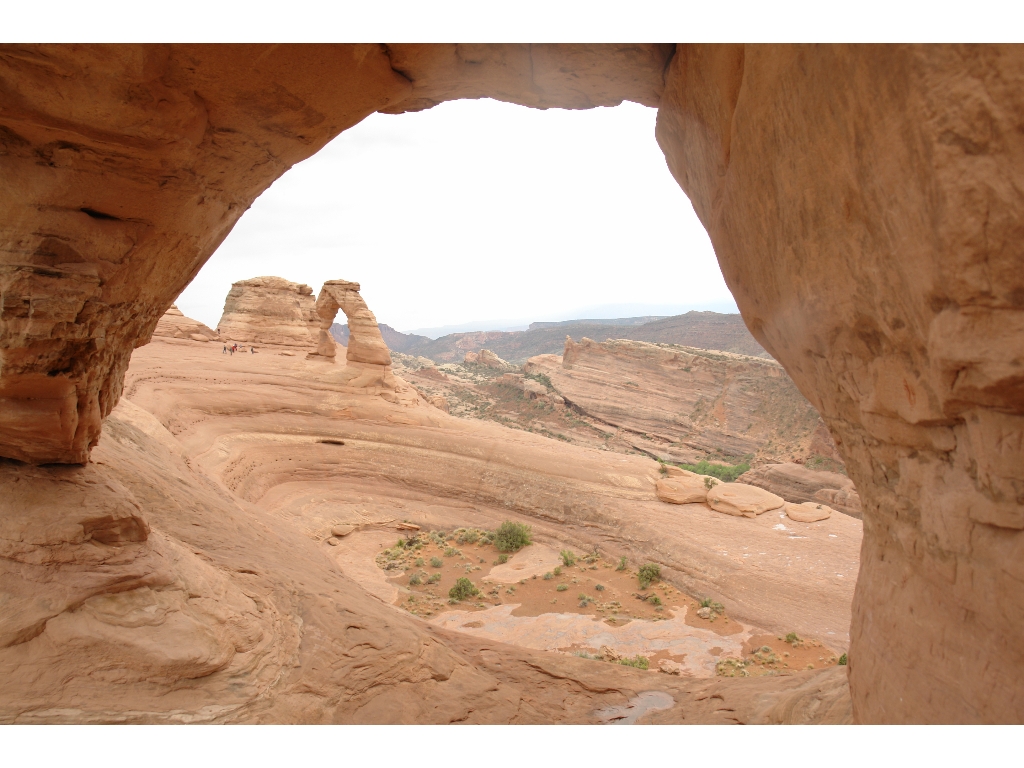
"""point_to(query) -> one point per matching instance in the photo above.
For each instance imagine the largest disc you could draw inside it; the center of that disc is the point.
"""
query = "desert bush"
(568, 557)
(843, 660)
(463, 588)
(436, 562)
(638, 661)
(512, 536)
(400, 544)
(727, 473)
(710, 482)
(558, 571)
(792, 638)
(707, 602)
(434, 578)
(451, 552)
(599, 587)
(648, 573)
(622, 564)
(419, 562)
(548, 576)
(502, 558)
(654, 600)
(415, 580)
(561, 587)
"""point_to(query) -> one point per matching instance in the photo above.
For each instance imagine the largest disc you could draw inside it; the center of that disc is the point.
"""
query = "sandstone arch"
(864, 203)
(365, 344)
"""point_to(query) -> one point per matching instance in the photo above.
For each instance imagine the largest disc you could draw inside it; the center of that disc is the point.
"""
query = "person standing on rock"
(225, 350)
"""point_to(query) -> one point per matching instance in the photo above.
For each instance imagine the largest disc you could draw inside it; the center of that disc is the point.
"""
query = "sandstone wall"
(175, 325)
(270, 310)
(866, 209)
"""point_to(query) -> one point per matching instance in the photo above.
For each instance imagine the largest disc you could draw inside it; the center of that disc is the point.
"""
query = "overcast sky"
(481, 211)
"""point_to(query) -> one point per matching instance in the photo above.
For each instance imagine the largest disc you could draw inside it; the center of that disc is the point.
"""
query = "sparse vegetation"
(648, 573)
(415, 580)
(436, 562)
(710, 482)
(654, 600)
(548, 576)
(638, 661)
(714, 607)
(419, 562)
(622, 564)
(792, 638)
(463, 588)
(434, 578)
(502, 558)
(451, 552)
(558, 571)
(561, 587)
(512, 536)
(842, 660)
(727, 473)
(599, 587)
(568, 557)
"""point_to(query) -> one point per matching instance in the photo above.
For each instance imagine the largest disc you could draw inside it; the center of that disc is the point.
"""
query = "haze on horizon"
(478, 215)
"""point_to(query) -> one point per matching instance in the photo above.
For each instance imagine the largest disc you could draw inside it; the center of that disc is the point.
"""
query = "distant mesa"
(270, 310)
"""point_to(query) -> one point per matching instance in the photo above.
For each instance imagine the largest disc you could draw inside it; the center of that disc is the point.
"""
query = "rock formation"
(487, 359)
(269, 310)
(798, 484)
(742, 500)
(682, 403)
(682, 490)
(807, 512)
(862, 201)
(175, 325)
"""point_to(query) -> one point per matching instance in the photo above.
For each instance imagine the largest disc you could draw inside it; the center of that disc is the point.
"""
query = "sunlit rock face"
(864, 204)
(865, 207)
(270, 310)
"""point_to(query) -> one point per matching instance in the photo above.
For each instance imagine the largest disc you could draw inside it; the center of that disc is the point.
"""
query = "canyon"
(863, 205)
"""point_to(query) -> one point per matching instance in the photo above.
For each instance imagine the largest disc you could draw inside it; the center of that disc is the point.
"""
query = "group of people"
(235, 348)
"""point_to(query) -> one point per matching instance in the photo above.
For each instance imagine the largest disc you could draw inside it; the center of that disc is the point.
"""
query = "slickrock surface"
(270, 310)
(807, 512)
(175, 325)
(682, 403)
(230, 607)
(682, 490)
(797, 484)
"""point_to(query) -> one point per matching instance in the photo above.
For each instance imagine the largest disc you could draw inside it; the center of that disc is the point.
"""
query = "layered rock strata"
(269, 310)
(682, 403)
(487, 359)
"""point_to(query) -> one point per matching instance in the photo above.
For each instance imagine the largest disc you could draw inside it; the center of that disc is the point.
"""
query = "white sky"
(481, 211)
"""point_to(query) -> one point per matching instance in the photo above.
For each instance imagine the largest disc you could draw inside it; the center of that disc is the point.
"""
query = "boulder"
(742, 500)
(807, 512)
(439, 401)
(797, 484)
(674, 471)
(682, 490)
(342, 530)
(198, 337)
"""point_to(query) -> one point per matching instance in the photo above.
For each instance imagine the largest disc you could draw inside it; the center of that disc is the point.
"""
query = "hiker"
(252, 350)
(225, 350)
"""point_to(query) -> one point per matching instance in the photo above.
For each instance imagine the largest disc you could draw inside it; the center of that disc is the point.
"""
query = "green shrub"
(654, 600)
(599, 587)
(419, 562)
(548, 576)
(415, 580)
(622, 564)
(400, 544)
(434, 578)
(436, 562)
(843, 660)
(727, 473)
(648, 573)
(558, 571)
(512, 536)
(707, 602)
(463, 588)
(568, 557)
(710, 482)
(502, 558)
(561, 588)
(638, 661)
(451, 552)
(792, 638)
